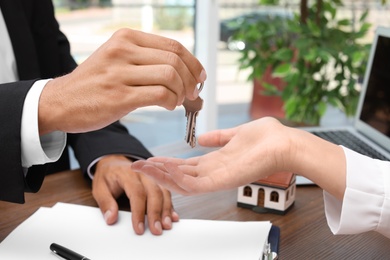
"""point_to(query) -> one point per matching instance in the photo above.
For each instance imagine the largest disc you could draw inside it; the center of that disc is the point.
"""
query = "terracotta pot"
(263, 105)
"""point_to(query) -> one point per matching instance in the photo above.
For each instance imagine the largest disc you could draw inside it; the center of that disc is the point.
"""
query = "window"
(274, 196)
(247, 191)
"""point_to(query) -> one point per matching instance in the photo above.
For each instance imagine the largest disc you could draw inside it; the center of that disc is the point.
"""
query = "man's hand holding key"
(135, 69)
(192, 108)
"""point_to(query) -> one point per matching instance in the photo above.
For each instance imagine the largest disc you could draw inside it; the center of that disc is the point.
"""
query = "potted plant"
(317, 57)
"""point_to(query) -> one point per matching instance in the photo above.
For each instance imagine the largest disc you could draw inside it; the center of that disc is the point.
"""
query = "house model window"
(275, 194)
(247, 191)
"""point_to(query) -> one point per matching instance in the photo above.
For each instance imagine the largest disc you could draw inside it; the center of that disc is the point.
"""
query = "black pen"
(66, 253)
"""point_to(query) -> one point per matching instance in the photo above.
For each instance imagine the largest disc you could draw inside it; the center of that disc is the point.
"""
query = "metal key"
(192, 108)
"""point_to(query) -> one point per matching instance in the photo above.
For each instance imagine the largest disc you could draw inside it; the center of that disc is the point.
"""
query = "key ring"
(200, 87)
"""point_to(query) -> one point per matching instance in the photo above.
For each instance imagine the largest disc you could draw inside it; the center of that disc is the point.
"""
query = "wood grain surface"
(304, 231)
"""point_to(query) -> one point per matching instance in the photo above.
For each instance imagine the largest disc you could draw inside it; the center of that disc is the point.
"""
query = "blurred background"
(89, 23)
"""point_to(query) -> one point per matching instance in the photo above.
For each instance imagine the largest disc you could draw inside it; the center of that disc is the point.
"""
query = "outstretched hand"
(249, 152)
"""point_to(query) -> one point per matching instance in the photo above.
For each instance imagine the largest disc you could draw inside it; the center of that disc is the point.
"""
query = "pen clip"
(268, 254)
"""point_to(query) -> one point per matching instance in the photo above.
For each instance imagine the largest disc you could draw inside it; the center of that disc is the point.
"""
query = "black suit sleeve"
(13, 184)
(113, 139)
(42, 51)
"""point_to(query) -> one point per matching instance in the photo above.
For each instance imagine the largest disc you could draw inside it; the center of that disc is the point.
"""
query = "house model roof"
(281, 180)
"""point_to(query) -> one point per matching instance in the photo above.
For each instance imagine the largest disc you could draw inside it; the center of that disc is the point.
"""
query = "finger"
(166, 44)
(156, 75)
(152, 95)
(169, 62)
(163, 159)
(217, 138)
(175, 216)
(179, 161)
(154, 206)
(168, 213)
(105, 201)
(159, 163)
(160, 176)
(184, 182)
(137, 195)
(181, 179)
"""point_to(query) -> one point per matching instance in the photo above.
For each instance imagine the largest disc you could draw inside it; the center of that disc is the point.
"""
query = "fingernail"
(141, 227)
(168, 222)
(196, 92)
(158, 226)
(107, 215)
(203, 76)
(175, 215)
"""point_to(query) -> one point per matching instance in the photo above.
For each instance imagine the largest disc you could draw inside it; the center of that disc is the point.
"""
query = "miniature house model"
(275, 194)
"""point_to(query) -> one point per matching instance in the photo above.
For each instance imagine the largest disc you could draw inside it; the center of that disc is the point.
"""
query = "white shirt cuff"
(91, 166)
(38, 149)
(366, 201)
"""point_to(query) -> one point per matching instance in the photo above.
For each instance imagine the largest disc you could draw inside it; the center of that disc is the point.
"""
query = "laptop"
(369, 134)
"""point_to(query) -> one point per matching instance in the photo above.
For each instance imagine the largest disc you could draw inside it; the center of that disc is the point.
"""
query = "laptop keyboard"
(345, 138)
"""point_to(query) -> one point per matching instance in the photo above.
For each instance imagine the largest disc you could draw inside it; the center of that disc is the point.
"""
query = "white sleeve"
(38, 149)
(92, 165)
(366, 202)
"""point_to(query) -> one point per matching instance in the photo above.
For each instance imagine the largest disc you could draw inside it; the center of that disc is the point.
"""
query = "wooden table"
(304, 231)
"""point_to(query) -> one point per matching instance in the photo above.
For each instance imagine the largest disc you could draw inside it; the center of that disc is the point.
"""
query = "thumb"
(217, 138)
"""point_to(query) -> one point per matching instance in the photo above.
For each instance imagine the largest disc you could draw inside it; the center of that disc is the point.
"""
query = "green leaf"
(282, 70)
(291, 104)
(332, 12)
(324, 55)
(270, 89)
(311, 55)
(363, 30)
(358, 58)
(363, 17)
(344, 22)
(315, 30)
(283, 54)
(321, 107)
(269, 2)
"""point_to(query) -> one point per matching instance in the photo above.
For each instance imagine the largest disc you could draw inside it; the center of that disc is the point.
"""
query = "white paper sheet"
(83, 230)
